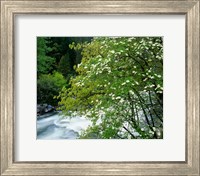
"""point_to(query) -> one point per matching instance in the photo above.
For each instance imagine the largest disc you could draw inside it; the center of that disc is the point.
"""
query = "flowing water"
(57, 127)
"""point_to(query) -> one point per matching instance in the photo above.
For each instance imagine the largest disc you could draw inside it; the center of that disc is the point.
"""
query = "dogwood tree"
(119, 87)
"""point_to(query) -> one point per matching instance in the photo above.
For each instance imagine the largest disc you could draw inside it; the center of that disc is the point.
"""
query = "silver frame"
(10, 8)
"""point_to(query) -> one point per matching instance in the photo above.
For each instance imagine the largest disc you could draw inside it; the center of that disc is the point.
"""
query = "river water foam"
(57, 127)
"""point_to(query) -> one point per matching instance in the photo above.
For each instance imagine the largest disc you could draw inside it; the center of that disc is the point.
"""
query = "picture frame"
(9, 9)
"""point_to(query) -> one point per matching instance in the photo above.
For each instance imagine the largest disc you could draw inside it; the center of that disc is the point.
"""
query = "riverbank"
(48, 114)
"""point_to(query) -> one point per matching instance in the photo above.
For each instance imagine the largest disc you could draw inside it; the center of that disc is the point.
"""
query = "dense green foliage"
(44, 62)
(119, 86)
(65, 67)
(49, 86)
(55, 66)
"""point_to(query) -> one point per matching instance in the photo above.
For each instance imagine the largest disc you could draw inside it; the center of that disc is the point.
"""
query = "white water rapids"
(57, 127)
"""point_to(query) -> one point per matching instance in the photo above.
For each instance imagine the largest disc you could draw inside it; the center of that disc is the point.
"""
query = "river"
(57, 127)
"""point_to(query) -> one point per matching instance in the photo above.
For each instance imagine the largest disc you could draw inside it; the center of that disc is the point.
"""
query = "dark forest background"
(55, 66)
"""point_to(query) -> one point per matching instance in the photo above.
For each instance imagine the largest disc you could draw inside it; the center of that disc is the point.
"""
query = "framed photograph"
(100, 87)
